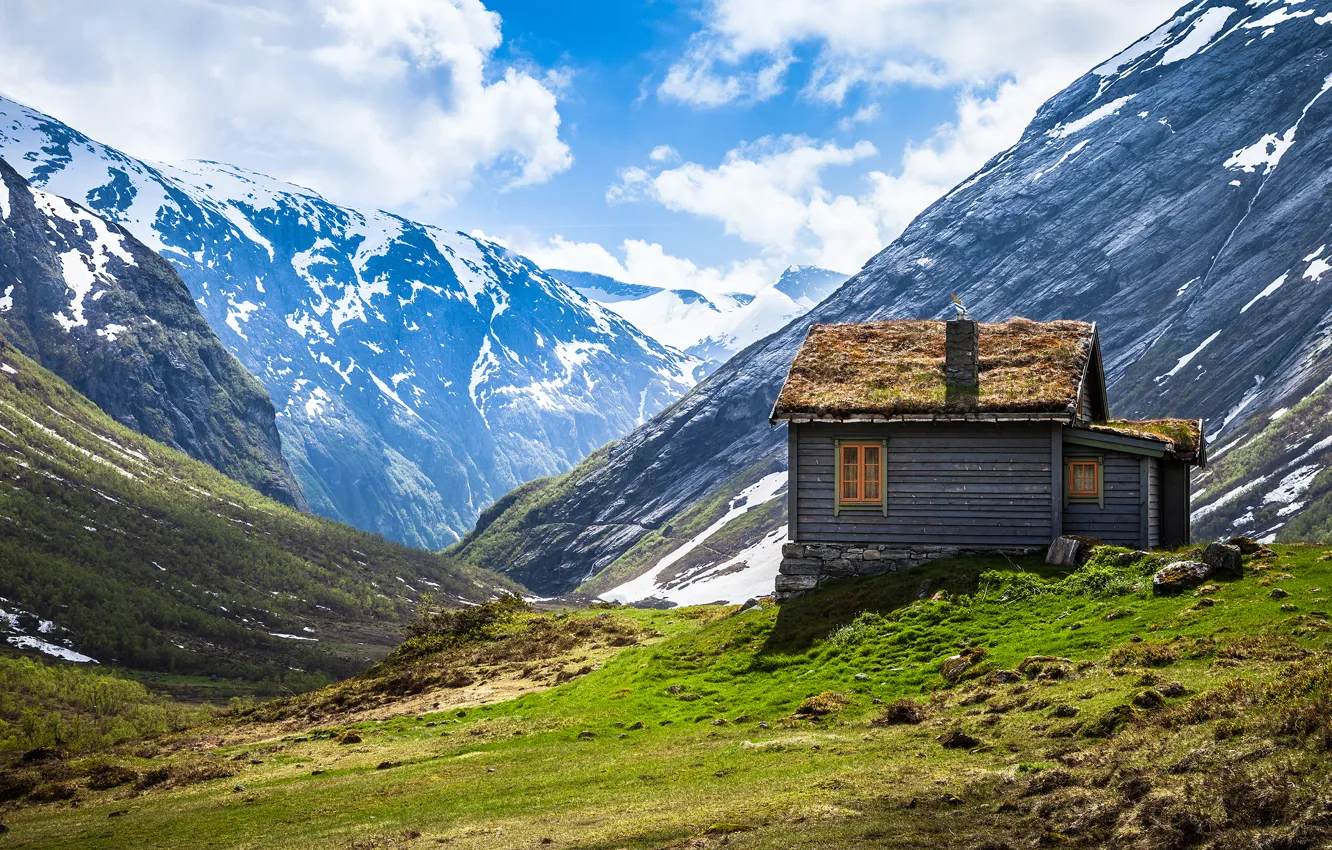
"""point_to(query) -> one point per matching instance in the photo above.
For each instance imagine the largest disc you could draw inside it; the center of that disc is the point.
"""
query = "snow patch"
(1188, 358)
(1293, 485)
(764, 490)
(1267, 290)
(1204, 29)
(46, 648)
(1111, 108)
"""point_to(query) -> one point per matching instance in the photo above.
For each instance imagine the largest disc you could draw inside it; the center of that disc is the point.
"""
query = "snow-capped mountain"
(710, 328)
(94, 305)
(418, 373)
(1179, 194)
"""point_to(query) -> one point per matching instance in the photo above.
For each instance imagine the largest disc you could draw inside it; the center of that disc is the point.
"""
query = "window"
(860, 474)
(1084, 482)
(1082, 479)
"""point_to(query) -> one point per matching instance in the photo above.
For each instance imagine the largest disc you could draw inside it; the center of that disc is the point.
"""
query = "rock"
(636, 725)
(1064, 552)
(674, 689)
(1247, 546)
(3, 829)
(953, 668)
(763, 724)
(862, 677)
(586, 734)
(956, 739)
(387, 765)
(238, 789)
(721, 721)
(1125, 559)
(350, 738)
(1179, 577)
(118, 813)
(750, 603)
(1149, 699)
(1278, 593)
(1224, 560)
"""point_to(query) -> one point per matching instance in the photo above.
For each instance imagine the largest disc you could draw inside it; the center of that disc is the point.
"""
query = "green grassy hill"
(972, 704)
(140, 557)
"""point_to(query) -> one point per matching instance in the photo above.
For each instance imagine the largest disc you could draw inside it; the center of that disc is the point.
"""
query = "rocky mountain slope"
(116, 549)
(418, 374)
(714, 328)
(1177, 194)
(93, 304)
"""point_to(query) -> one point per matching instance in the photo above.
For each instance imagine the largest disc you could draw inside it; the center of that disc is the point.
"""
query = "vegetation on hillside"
(145, 558)
(1284, 456)
(972, 703)
(81, 709)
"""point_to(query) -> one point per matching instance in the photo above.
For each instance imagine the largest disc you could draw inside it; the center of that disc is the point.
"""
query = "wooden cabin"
(914, 440)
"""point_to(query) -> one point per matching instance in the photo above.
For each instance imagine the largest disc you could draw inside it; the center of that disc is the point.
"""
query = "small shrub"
(1109, 723)
(105, 775)
(1144, 654)
(828, 702)
(900, 712)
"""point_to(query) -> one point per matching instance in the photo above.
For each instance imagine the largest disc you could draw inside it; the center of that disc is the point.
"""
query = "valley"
(975, 703)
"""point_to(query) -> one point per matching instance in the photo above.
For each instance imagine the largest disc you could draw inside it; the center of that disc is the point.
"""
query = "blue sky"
(706, 143)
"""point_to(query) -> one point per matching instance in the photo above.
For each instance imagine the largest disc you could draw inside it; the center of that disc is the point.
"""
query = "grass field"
(971, 703)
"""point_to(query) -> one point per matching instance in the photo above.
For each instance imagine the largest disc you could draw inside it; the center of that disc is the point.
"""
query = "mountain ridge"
(111, 317)
(417, 373)
(1152, 196)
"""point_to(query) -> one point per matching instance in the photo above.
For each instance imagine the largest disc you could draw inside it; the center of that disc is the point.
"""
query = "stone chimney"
(962, 353)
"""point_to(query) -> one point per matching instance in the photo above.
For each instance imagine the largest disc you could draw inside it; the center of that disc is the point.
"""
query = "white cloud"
(1003, 60)
(645, 263)
(764, 193)
(384, 102)
(863, 115)
(885, 42)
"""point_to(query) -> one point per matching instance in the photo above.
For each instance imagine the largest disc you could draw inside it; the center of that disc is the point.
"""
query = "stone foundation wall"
(809, 566)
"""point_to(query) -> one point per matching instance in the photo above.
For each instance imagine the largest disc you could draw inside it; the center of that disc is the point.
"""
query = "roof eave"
(979, 416)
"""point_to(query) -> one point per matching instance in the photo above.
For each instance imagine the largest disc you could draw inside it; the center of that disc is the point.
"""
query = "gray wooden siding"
(1120, 521)
(1154, 504)
(964, 484)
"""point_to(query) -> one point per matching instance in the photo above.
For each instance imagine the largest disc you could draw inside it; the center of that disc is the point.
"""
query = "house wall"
(1120, 521)
(960, 484)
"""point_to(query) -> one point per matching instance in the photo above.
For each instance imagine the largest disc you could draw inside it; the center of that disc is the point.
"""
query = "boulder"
(1278, 593)
(1224, 560)
(953, 668)
(1246, 545)
(1179, 577)
(1064, 552)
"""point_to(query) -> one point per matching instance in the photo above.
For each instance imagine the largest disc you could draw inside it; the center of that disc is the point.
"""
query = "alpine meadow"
(800, 424)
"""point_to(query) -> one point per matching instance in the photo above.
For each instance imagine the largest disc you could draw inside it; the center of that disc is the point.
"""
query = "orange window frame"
(860, 478)
(1084, 479)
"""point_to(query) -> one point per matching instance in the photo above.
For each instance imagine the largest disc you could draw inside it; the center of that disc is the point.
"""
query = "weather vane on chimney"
(959, 307)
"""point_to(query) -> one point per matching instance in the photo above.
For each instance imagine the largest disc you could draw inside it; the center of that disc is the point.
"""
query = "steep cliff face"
(418, 373)
(1177, 194)
(95, 306)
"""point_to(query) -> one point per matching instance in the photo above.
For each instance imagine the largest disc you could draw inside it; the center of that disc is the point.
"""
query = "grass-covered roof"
(1184, 435)
(897, 368)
